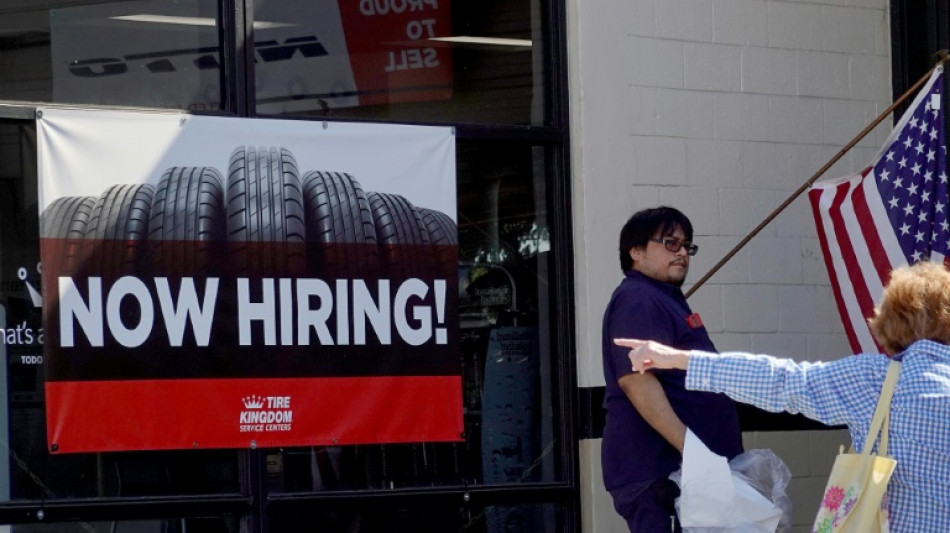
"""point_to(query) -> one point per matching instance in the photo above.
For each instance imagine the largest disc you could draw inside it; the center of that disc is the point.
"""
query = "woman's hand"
(645, 355)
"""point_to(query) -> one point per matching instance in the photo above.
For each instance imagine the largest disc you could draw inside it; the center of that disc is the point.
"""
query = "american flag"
(891, 214)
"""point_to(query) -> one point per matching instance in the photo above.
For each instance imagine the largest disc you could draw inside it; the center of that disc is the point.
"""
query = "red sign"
(391, 52)
(225, 413)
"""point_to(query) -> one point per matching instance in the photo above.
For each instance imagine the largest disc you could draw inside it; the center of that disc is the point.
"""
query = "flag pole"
(943, 57)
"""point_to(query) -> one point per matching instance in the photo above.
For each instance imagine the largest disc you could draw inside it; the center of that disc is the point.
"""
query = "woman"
(912, 324)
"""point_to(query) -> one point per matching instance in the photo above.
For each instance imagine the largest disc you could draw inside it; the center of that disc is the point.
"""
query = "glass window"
(23, 471)
(505, 318)
(28, 470)
(458, 61)
(508, 393)
(146, 53)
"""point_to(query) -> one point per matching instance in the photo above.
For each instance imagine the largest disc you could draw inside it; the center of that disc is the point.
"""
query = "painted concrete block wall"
(722, 108)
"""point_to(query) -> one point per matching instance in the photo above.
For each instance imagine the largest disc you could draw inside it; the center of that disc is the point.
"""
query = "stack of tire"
(265, 217)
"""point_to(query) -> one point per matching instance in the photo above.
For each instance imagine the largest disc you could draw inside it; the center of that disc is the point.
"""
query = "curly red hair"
(915, 306)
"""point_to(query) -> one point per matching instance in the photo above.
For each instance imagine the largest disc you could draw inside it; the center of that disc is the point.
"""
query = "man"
(648, 414)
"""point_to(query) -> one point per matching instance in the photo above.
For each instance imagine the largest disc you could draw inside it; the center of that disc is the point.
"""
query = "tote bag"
(854, 499)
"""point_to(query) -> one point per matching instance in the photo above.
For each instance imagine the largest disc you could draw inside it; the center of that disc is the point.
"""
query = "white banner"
(246, 282)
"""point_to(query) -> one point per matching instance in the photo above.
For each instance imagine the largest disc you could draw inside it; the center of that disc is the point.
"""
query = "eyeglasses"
(673, 244)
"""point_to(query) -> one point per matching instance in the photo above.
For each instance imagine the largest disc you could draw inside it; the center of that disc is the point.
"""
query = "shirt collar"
(662, 285)
(931, 348)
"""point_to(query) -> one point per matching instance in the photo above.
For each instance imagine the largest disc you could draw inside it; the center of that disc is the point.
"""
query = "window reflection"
(146, 53)
(426, 60)
(328, 55)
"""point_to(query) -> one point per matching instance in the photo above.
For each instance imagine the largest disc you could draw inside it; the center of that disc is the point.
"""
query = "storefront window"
(445, 62)
(458, 61)
(145, 53)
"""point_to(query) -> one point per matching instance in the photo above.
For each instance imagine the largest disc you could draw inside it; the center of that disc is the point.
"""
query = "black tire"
(66, 218)
(265, 210)
(403, 240)
(443, 237)
(119, 227)
(340, 226)
(441, 227)
(186, 229)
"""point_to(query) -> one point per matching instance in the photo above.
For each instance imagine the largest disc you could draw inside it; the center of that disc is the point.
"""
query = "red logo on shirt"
(694, 321)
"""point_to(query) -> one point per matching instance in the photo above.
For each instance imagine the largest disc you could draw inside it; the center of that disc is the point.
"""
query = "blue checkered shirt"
(846, 392)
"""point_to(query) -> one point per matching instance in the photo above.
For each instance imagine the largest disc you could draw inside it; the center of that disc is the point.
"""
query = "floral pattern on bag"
(837, 504)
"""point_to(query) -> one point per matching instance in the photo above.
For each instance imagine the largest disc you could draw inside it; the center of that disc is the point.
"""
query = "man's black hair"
(643, 225)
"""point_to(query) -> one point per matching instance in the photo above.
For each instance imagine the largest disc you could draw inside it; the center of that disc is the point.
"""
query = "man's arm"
(635, 315)
(648, 398)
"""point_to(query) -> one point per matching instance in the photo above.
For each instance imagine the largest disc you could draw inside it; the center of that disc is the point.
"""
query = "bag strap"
(881, 418)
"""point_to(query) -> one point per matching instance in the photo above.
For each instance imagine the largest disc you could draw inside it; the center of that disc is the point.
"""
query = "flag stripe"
(863, 268)
(845, 246)
(881, 265)
(870, 251)
(848, 302)
(817, 199)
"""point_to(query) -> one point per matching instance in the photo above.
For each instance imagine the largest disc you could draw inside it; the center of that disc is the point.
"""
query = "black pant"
(652, 511)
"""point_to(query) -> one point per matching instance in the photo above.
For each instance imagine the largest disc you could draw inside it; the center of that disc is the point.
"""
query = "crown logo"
(253, 401)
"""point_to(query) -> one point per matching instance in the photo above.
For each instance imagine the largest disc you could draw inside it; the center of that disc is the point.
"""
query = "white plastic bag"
(746, 495)
(766, 473)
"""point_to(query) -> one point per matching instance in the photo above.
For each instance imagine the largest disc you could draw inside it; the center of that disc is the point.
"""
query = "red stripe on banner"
(875, 248)
(814, 196)
(861, 293)
(88, 416)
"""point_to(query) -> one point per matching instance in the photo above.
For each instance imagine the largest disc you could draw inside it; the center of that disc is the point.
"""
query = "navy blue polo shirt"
(633, 453)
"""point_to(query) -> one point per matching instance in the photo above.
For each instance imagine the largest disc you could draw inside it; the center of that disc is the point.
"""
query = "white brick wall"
(722, 108)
